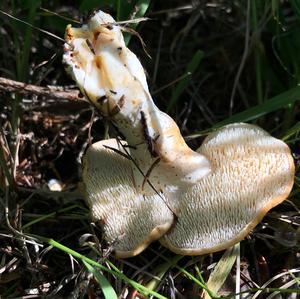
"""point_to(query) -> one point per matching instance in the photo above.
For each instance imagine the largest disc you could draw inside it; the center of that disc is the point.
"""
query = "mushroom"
(152, 185)
(161, 163)
(251, 173)
(129, 220)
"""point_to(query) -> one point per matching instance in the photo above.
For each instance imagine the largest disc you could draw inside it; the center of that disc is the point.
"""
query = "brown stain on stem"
(101, 66)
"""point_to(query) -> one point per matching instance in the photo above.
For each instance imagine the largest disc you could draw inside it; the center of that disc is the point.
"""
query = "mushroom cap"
(251, 173)
(130, 221)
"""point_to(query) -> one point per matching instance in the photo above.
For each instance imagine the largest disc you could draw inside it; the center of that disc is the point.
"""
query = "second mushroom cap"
(251, 173)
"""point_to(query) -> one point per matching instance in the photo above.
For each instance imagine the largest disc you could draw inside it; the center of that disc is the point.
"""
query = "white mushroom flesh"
(251, 173)
(113, 79)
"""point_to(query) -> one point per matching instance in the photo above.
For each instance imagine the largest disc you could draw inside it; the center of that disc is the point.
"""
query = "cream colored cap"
(251, 173)
(130, 220)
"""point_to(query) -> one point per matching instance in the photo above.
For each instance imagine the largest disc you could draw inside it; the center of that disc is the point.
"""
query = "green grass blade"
(118, 9)
(115, 271)
(280, 101)
(160, 272)
(295, 4)
(173, 263)
(23, 68)
(50, 215)
(221, 271)
(181, 86)
(142, 7)
(107, 289)
(292, 131)
(126, 8)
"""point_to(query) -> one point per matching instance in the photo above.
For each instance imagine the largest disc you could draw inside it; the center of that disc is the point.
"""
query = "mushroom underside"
(251, 173)
(130, 221)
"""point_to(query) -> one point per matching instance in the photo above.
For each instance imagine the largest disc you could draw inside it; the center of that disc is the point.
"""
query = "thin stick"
(59, 15)
(34, 27)
(146, 177)
(52, 92)
(243, 61)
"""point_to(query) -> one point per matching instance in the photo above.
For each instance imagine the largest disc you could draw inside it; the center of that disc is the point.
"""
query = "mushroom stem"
(113, 79)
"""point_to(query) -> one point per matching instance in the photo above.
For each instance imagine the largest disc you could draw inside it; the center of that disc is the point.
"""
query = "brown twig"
(53, 92)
